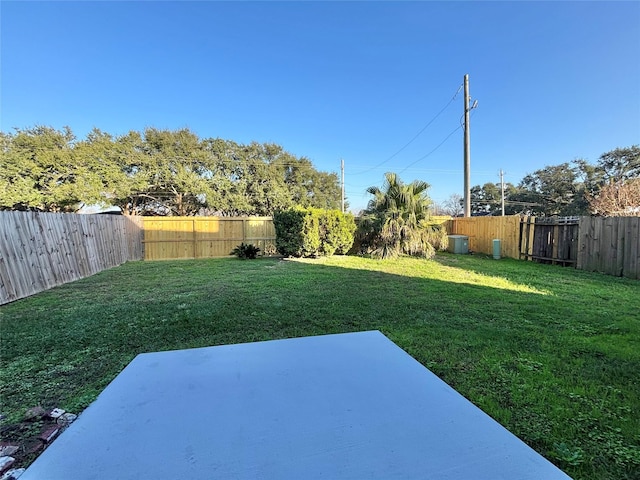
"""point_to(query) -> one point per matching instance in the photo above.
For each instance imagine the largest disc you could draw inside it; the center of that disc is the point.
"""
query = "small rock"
(13, 474)
(49, 433)
(66, 419)
(35, 413)
(56, 412)
(6, 462)
(8, 450)
(33, 446)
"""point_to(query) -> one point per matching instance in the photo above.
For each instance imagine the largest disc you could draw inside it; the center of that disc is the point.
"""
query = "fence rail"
(204, 237)
(42, 250)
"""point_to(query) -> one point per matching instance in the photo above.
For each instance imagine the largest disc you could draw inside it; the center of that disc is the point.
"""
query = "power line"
(416, 135)
(436, 148)
(449, 172)
(432, 151)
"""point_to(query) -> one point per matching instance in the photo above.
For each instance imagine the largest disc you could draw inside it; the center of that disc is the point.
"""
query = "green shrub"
(346, 233)
(245, 251)
(336, 231)
(312, 232)
(288, 226)
(297, 233)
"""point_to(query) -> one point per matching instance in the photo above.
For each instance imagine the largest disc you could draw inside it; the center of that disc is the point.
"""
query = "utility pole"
(342, 184)
(467, 154)
(502, 190)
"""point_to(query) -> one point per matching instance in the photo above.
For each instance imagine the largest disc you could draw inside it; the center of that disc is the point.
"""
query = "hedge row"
(313, 232)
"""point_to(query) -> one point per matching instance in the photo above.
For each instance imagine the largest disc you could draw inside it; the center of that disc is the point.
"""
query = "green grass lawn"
(551, 353)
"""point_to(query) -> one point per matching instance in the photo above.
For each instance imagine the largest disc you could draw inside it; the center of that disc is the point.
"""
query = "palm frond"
(401, 210)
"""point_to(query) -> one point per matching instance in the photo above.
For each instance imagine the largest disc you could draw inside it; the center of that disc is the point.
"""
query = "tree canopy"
(156, 172)
(570, 189)
(487, 199)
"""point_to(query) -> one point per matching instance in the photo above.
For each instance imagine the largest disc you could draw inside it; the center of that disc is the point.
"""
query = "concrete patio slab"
(348, 406)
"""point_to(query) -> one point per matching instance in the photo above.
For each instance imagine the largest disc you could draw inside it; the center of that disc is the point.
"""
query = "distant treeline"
(156, 172)
(611, 187)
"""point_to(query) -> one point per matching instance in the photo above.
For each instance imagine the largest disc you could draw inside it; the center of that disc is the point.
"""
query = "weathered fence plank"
(610, 245)
(42, 250)
(632, 255)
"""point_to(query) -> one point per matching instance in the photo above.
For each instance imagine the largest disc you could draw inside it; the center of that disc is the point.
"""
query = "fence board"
(585, 231)
(42, 250)
(608, 248)
(203, 237)
(526, 238)
(632, 254)
(619, 256)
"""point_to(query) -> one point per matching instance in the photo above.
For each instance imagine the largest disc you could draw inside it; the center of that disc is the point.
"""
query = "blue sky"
(554, 81)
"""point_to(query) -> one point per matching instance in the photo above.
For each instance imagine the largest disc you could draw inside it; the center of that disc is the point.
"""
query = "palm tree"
(394, 221)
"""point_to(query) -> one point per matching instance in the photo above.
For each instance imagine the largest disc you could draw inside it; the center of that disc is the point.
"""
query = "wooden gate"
(549, 240)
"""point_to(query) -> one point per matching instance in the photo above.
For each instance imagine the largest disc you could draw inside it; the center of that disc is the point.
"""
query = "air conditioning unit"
(458, 244)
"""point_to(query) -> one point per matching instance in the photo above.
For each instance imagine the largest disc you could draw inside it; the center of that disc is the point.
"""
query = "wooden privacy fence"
(203, 237)
(42, 250)
(610, 245)
(483, 230)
